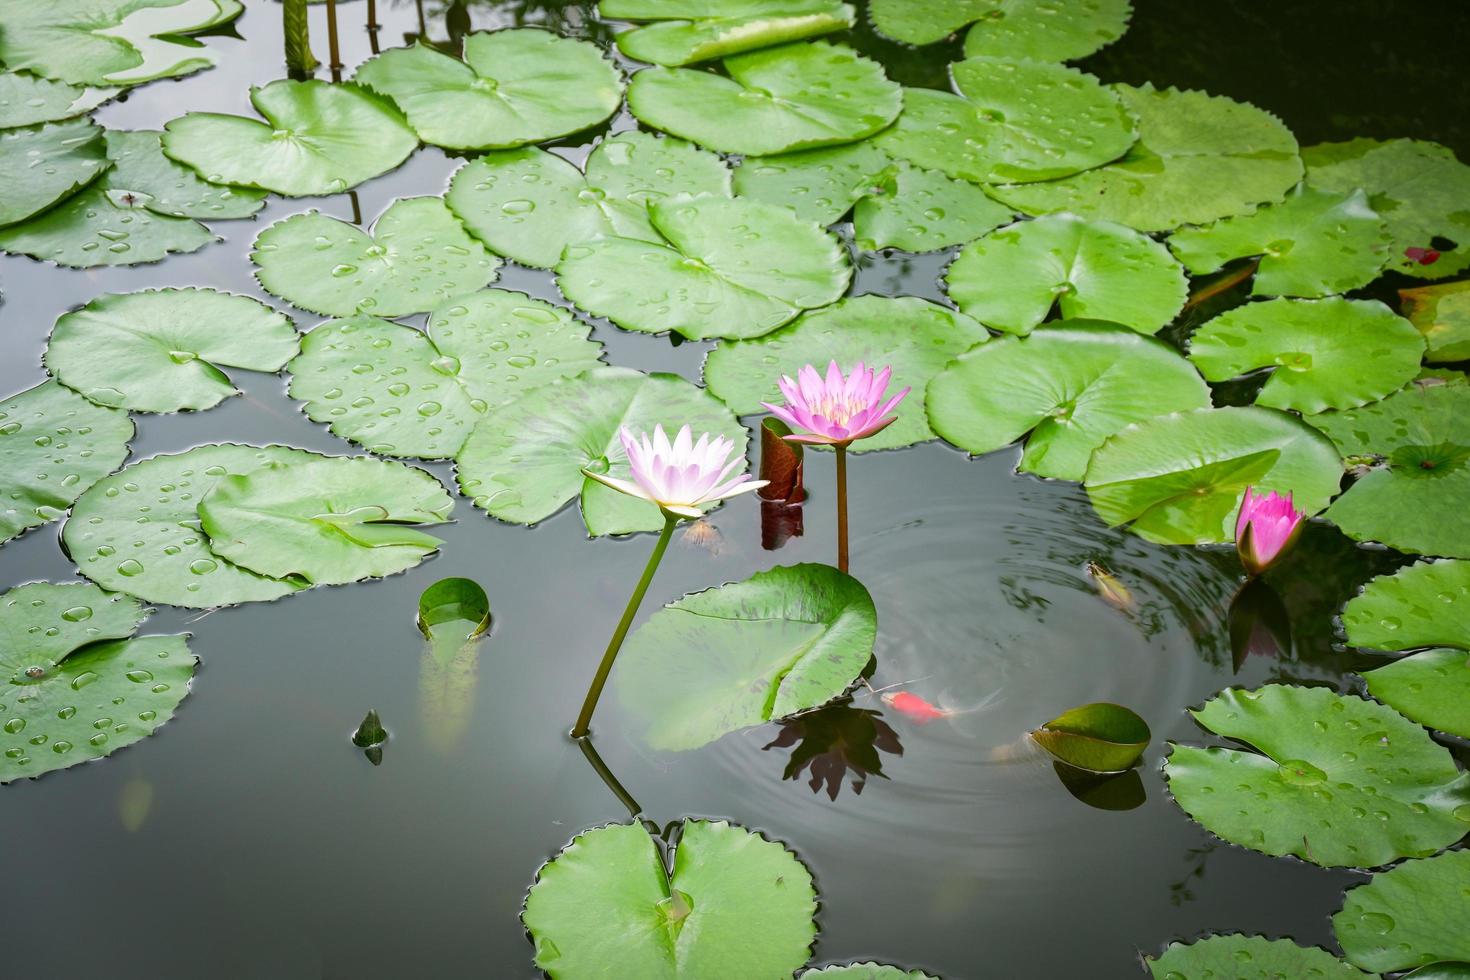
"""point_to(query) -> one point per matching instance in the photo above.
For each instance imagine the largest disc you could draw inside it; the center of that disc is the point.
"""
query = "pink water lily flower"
(837, 410)
(683, 476)
(1267, 526)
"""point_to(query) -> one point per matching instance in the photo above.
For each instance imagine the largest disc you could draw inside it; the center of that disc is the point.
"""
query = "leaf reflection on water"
(833, 741)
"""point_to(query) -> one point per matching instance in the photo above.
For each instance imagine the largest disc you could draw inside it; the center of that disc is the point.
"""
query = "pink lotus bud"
(1268, 525)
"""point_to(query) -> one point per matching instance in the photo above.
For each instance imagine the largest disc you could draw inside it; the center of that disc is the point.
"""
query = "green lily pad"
(1432, 688)
(916, 210)
(1180, 478)
(1099, 737)
(775, 100)
(513, 87)
(529, 205)
(1199, 157)
(416, 257)
(914, 337)
(27, 99)
(726, 267)
(138, 531)
(1442, 314)
(1070, 385)
(54, 444)
(605, 908)
(1247, 958)
(820, 185)
(45, 163)
(454, 609)
(867, 971)
(103, 225)
(161, 350)
(1012, 278)
(1413, 499)
(1423, 605)
(1040, 30)
(1323, 353)
(1419, 188)
(1314, 243)
(170, 188)
(688, 31)
(1338, 781)
(398, 391)
(317, 138)
(42, 623)
(1412, 915)
(784, 640)
(1013, 121)
(524, 460)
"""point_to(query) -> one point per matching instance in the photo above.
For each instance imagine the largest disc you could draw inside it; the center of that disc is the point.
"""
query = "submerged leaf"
(1248, 958)
(45, 163)
(1100, 737)
(1412, 915)
(687, 31)
(1423, 605)
(1442, 314)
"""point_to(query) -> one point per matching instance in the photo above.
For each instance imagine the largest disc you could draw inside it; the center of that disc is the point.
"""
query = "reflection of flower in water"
(834, 740)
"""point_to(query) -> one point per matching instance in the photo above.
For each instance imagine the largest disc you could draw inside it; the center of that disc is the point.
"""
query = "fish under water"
(914, 708)
(1110, 588)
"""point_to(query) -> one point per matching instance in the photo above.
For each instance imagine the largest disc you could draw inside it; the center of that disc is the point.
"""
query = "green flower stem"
(635, 809)
(841, 506)
(584, 720)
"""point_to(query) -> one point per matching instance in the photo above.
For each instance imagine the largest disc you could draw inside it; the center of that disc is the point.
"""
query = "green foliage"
(27, 99)
(1432, 688)
(1039, 30)
(1247, 958)
(169, 188)
(867, 971)
(1099, 737)
(103, 225)
(45, 163)
(1410, 916)
(684, 33)
(1423, 605)
(1442, 314)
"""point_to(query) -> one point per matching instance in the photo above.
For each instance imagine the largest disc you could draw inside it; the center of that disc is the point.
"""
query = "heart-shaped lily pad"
(1070, 386)
(726, 267)
(524, 460)
(1099, 737)
(1339, 781)
(529, 205)
(687, 31)
(914, 337)
(1199, 157)
(513, 87)
(103, 225)
(784, 640)
(1423, 605)
(1432, 688)
(1041, 30)
(140, 167)
(317, 138)
(1248, 958)
(417, 256)
(867, 971)
(775, 100)
(164, 348)
(45, 163)
(398, 391)
(1442, 314)
(1179, 479)
(1324, 353)
(1013, 277)
(605, 907)
(1412, 915)
(54, 444)
(27, 99)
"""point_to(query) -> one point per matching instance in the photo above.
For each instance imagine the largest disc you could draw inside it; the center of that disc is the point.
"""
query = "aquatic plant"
(1266, 527)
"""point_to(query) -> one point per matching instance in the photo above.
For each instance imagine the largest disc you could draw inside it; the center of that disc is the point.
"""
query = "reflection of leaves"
(833, 741)
(1103, 791)
(448, 677)
(1195, 858)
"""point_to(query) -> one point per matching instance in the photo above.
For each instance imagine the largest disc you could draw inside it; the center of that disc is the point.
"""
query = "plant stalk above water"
(841, 506)
(296, 28)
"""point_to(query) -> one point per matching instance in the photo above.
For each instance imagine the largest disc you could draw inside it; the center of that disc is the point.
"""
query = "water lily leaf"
(455, 609)
(138, 532)
(329, 521)
(1012, 121)
(1248, 958)
(417, 256)
(27, 99)
(605, 909)
(529, 205)
(1070, 386)
(867, 971)
(726, 267)
(524, 461)
(1419, 188)
(1422, 605)
(164, 348)
(1432, 688)
(398, 391)
(1442, 314)
(1180, 478)
(45, 163)
(688, 32)
(1314, 243)
(54, 444)
(1413, 500)
(1199, 157)
(1013, 277)
(1323, 353)
(775, 100)
(784, 640)
(42, 623)
(103, 225)
(917, 210)
(1040, 30)
(317, 138)
(1412, 915)
(170, 188)
(513, 87)
(1099, 737)
(820, 185)
(1338, 781)
(913, 336)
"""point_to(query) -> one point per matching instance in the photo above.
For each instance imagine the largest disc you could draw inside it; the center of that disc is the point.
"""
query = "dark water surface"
(249, 838)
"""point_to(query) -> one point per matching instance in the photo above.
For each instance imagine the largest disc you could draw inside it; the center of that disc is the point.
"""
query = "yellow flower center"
(838, 408)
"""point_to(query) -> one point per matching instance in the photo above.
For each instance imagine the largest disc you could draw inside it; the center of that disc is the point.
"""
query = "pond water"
(251, 839)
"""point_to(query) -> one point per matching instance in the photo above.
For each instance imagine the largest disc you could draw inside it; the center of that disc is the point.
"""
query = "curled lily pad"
(164, 348)
(529, 205)
(417, 256)
(1070, 385)
(54, 444)
(1041, 30)
(1179, 479)
(1423, 605)
(867, 971)
(1325, 353)
(1099, 737)
(1432, 688)
(45, 163)
(1248, 958)
(27, 99)
(775, 100)
(140, 167)
(1338, 781)
(1409, 916)
(454, 608)
(103, 225)
(513, 87)
(687, 31)
(606, 908)
(399, 391)
(317, 138)
(726, 267)
(784, 640)
(1013, 277)
(1442, 314)
(1198, 157)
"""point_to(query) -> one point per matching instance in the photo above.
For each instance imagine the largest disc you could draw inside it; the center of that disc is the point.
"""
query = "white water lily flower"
(680, 477)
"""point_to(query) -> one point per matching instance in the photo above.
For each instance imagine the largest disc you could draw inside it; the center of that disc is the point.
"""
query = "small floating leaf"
(1423, 605)
(1442, 314)
(370, 732)
(45, 163)
(1248, 958)
(1412, 915)
(454, 608)
(687, 31)
(1099, 737)
(917, 210)
(1432, 688)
